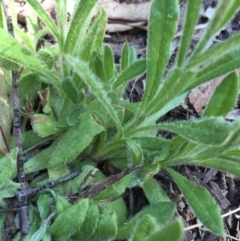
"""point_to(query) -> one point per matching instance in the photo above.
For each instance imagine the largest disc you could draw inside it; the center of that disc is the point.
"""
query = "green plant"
(87, 121)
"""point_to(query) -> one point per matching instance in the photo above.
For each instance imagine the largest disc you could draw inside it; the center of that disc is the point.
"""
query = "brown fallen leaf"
(200, 95)
(130, 15)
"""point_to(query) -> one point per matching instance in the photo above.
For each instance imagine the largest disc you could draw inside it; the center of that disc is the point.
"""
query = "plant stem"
(21, 193)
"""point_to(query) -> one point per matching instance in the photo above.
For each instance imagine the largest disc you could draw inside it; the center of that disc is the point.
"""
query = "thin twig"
(49, 185)
(223, 216)
(21, 193)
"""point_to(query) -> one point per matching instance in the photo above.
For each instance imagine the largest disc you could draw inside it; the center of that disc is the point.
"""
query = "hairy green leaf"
(224, 97)
(44, 125)
(132, 71)
(8, 166)
(40, 233)
(162, 212)
(223, 163)
(80, 19)
(174, 86)
(90, 224)
(70, 89)
(115, 189)
(210, 131)
(7, 190)
(201, 202)
(108, 63)
(39, 161)
(173, 231)
(94, 39)
(96, 65)
(154, 192)
(68, 222)
(107, 226)
(62, 204)
(191, 18)
(224, 12)
(44, 205)
(151, 120)
(220, 66)
(125, 56)
(78, 138)
(95, 86)
(144, 227)
(61, 14)
(163, 17)
(14, 52)
(216, 51)
(46, 57)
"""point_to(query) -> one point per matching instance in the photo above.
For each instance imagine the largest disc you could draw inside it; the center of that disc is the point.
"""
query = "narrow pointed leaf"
(224, 12)
(125, 57)
(151, 120)
(80, 19)
(222, 163)
(95, 35)
(68, 222)
(39, 235)
(175, 85)
(95, 86)
(219, 49)
(96, 65)
(136, 153)
(61, 13)
(115, 189)
(219, 66)
(163, 17)
(70, 89)
(224, 97)
(132, 71)
(201, 201)
(210, 131)
(154, 192)
(191, 18)
(132, 54)
(108, 63)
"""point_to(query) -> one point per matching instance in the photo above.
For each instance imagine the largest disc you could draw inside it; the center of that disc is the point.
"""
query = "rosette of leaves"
(88, 121)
